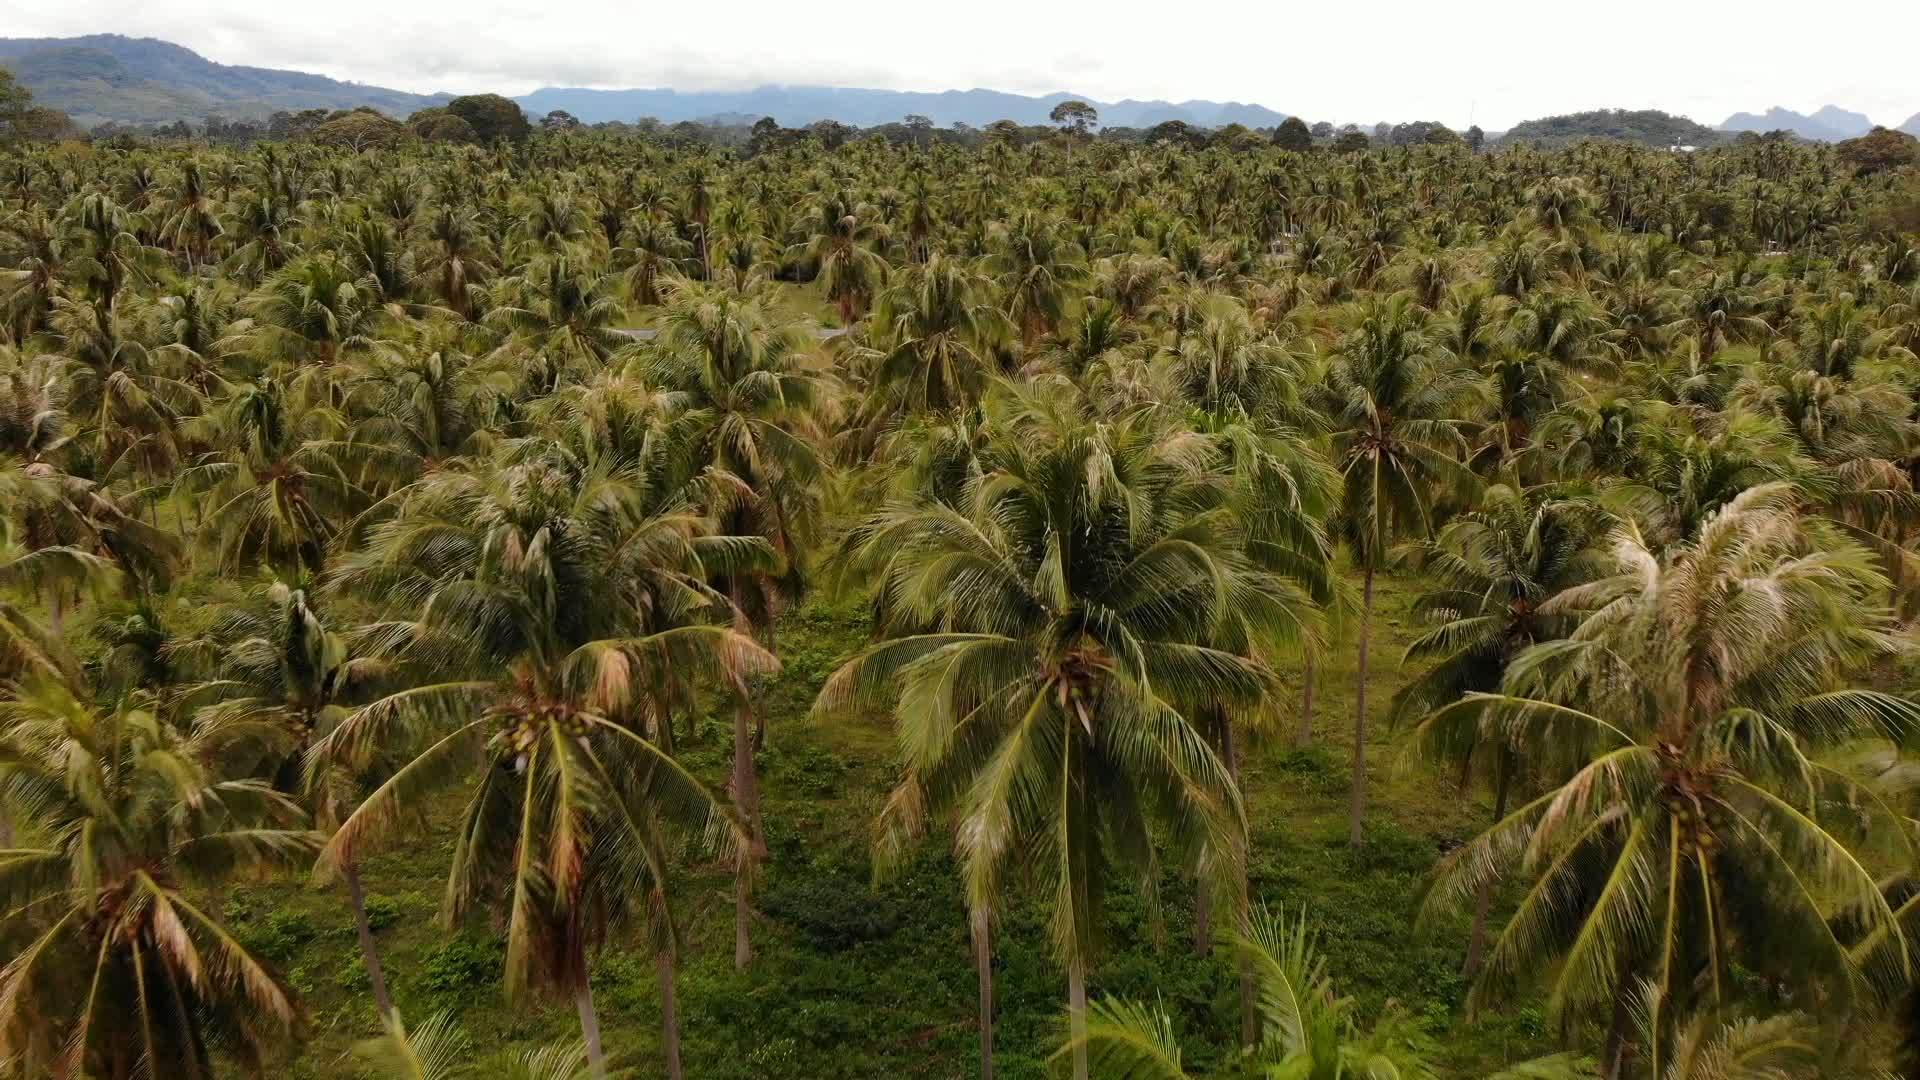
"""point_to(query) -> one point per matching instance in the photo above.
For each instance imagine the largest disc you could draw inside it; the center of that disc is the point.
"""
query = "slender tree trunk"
(590, 1029)
(1477, 940)
(669, 1014)
(1357, 808)
(746, 785)
(6, 826)
(1077, 1015)
(983, 966)
(1243, 898)
(1303, 735)
(376, 975)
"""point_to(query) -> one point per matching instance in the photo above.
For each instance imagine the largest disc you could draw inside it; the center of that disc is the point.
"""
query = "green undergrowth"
(855, 978)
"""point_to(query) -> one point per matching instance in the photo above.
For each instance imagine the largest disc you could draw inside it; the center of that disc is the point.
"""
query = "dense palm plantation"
(606, 605)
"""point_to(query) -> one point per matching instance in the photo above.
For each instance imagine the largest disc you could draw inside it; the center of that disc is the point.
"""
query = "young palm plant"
(1307, 1031)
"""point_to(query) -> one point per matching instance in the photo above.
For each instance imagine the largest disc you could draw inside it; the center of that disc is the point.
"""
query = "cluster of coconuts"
(1696, 828)
(522, 728)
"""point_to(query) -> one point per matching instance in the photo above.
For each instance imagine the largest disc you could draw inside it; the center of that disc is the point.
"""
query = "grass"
(858, 980)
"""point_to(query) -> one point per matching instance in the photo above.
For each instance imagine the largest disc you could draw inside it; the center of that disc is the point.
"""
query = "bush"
(280, 936)
(833, 912)
(465, 964)
(382, 912)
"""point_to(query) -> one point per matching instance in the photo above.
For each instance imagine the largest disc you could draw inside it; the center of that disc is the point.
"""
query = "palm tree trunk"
(590, 1029)
(983, 966)
(376, 975)
(1243, 899)
(1077, 1014)
(669, 1014)
(1477, 941)
(746, 785)
(1357, 807)
(1303, 735)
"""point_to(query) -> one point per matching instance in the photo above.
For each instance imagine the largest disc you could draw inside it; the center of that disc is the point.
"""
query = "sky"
(1494, 62)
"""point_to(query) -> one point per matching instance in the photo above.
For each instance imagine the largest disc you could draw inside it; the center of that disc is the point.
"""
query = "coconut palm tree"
(1037, 265)
(120, 968)
(744, 425)
(279, 681)
(1497, 567)
(936, 336)
(544, 600)
(844, 245)
(1391, 400)
(1037, 643)
(1686, 713)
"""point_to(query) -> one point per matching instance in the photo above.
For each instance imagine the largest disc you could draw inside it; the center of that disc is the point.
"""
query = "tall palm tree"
(745, 425)
(1039, 639)
(1392, 403)
(1497, 567)
(1037, 264)
(936, 335)
(845, 247)
(1686, 713)
(279, 681)
(121, 968)
(545, 600)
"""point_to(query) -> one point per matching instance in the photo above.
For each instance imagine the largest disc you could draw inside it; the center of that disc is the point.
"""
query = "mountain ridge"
(99, 77)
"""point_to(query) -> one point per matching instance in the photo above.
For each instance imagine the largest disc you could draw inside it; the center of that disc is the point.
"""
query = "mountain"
(103, 77)
(1648, 127)
(1829, 124)
(1912, 126)
(1847, 124)
(796, 106)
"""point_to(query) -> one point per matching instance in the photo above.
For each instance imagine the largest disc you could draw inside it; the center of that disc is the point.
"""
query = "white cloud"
(1495, 62)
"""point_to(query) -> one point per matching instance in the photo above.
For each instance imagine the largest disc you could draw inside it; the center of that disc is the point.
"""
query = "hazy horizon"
(1497, 66)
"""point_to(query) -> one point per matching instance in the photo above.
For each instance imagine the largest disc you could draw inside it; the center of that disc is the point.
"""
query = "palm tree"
(547, 599)
(1685, 713)
(1037, 642)
(279, 482)
(1498, 566)
(744, 425)
(562, 320)
(844, 247)
(280, 680)
(119, 958)
(1392, 404)
(1037, 264)
(936, 338)
(309, 315)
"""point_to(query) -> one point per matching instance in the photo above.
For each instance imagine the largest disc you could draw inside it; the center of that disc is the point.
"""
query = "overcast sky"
(1494, 62)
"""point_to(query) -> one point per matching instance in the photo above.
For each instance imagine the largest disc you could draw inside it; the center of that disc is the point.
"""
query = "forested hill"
(1649, 127)
(796, 106)
(103, 77)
